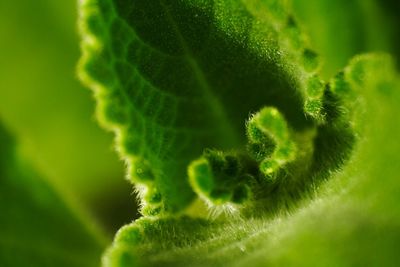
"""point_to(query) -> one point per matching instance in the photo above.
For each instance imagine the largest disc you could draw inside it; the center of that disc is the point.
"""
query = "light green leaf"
(37, 227)
(352, 220)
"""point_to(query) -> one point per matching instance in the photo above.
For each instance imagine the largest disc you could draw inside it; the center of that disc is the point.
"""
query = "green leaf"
(173, 78)
(352, 220)
(224, 99)
(37, 226)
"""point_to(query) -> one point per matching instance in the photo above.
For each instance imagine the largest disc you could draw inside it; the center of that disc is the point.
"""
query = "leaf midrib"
(225, 126)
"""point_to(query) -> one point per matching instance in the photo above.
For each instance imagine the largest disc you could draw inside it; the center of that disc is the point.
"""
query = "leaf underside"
(223, 100)
(173, 78)
(353, 214)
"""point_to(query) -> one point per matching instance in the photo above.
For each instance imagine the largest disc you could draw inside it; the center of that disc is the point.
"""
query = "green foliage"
(240, 152)
(262, 127)
(353, 219)
(37, 227)
(175, 79)
(171, 76)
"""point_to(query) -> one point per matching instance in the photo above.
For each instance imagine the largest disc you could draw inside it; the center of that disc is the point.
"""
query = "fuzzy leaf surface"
(352, 220)
(173, 78)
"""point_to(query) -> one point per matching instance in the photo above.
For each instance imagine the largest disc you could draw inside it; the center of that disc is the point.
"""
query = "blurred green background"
(52, 114)
(340, 29)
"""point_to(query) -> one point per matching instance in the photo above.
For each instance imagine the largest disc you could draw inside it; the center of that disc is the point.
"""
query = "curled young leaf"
(172, 78)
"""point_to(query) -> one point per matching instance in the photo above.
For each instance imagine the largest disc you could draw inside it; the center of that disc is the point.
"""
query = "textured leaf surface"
(175, 77)
(224, 99)
(37, 227)
(353, 220)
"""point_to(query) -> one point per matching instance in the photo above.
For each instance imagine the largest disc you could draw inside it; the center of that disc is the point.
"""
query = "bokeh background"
(52, 114)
